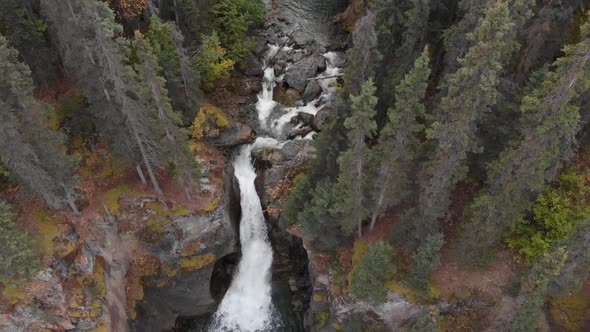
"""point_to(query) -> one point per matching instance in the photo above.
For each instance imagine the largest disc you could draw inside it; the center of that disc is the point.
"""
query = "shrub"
(555, 213)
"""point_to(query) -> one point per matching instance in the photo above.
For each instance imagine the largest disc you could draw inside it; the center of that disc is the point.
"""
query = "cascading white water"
(247, 305)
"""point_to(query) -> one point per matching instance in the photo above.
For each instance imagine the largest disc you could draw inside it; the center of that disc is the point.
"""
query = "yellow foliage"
(48, 229)
(569, 311)
(14, 294)
(111, 198)
(99, 327)
(99, 277)
(96, 308)
(213, 204)
(208, 121)
(197, 262)
(337, 326)
(401, 289)
(319, 297)
(191, 248)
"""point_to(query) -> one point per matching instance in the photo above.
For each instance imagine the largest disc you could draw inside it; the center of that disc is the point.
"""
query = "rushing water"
(247, 305)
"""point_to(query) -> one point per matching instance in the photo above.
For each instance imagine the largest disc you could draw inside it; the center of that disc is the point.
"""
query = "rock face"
(321, 117)
(188, 292)
(297, 75)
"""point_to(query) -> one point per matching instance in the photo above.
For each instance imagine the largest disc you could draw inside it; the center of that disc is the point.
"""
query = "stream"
(248, 305)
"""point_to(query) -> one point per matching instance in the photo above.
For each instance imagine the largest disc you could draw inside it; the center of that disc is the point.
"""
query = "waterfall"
(247, 305)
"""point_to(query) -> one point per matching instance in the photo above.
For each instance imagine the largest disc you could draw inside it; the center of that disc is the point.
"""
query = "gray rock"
(306, 118)
(297, 75)
(253, 67)
(312, 91)
(236, 134)
(321, 117)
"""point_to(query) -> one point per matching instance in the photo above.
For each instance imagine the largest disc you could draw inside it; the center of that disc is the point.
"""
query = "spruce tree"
(533, 291)
(18, 258)
(367, 281)
(549, 127)
(182, 84)
(32, 151)
(352, 162)
(471, 92)
(86, 32)
(173, 140)
(393, 158)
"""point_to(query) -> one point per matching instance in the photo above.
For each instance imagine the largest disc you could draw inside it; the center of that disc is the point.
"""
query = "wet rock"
(297, 75)
(321, 117)
(312, 91)
(279, 68)
(245, 86)
(253, 67)
(306, 118)
(299, 133)
(236, 134)
(286, 97)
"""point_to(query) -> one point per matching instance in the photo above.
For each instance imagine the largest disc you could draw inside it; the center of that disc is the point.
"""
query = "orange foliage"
(128, 9)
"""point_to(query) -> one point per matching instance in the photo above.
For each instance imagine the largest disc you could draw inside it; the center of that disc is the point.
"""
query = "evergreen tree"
(86, 33)
(231, 20)
(549, 126)
(426, 259)
(363, 56)
(181, 82)
(392, 159)
(25, 31)
(173, 142)
(368, 279)
(471, 92)
(576, 268)
(534, 290)
(18, 259)
(352, 162)
(32, 152)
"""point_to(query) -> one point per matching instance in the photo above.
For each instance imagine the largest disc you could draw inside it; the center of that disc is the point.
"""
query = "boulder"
(312, 91)
(236, 134)
(321, 117)
(306, 118)
(253, 67)
(297, 75)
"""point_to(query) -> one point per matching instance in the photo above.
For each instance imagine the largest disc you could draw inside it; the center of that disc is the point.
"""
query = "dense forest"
(457, 143)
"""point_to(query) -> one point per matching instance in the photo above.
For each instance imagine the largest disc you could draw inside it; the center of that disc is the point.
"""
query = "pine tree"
(182, 84)
(86, 33)
(471, 92)
(18, 259)
(533, 292)
(392, 159)
(32, 151)
(173, 140)
(25, 31)
(426, 259)
(549, 126)
(352, 162)
(368, 279)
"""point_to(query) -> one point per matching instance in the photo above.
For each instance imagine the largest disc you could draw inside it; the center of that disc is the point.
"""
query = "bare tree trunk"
(140, 173)
(384, 180)
(149, 168)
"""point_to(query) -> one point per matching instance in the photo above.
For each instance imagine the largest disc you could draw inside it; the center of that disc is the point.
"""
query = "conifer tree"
(32, 151)
(533, 291)
(367, 281)
(471, 92)
(352, 162)
(18, 259)
(392, 159)
(86, 33)
(182, 84)
(173, 140)
(549, 126)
